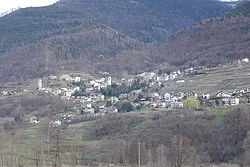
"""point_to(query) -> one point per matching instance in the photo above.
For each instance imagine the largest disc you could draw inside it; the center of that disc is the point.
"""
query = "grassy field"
(220, 111)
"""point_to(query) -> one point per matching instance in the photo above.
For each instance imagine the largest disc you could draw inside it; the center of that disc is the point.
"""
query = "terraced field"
(228, 78)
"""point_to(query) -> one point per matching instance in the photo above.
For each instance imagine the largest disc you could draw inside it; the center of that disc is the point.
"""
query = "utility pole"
(139, 154)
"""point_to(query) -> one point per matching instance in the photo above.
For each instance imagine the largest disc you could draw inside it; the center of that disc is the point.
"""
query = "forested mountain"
(86, 49)
(215, 40)
(93, 35)
(146, 20)
(149, 20)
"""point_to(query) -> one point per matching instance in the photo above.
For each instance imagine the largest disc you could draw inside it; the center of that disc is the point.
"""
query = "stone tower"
(40, 84)
(109, 81)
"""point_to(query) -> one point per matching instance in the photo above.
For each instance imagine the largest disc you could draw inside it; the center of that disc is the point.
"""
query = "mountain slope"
(216, 40)
(149, 20)
(31, 25)
(93, 35)
(145, 20)
(84, 50)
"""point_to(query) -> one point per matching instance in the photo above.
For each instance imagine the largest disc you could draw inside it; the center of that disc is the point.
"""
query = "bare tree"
(56, 137)
(76, 151)
(1, 148)
(37, 157)
(120, 152)
(179, 149)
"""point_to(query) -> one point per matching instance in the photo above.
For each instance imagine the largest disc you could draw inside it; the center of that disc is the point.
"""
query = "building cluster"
(144, 90)
(234, 98)
(89, 99)
(240, 61)
(7, 93)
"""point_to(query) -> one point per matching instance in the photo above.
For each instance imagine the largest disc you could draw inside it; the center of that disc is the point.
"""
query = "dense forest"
(143, 20)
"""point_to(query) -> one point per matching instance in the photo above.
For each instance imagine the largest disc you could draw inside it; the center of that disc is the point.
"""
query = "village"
(96, 97)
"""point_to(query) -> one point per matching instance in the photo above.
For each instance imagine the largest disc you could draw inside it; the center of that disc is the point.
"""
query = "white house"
(167, 96)
(55, 123)
(231, 101)
(77, 79)
(152, 84)
(4, 93)
(89, 89)
(115, 111)
(69, 93)
(57, 92)
(151, 75)
(101, 80)
(157, 79)
(53, 77)
(102, 107)
(162, 105)
(114, 99)
(165, 77)
(172, 76)
(33, 120)
(92, 82)
(223, 94)
(97, 85)
(180, 81)
(64, 89)
(155, 94)
(206, 96)
(89, 99)
(76, 89)
(89, 105)
(176, 105)
(245, 60)
(234, 101)
(89, 111)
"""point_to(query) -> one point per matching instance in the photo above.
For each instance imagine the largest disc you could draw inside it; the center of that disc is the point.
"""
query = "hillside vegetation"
(166, 139)
(109, 35)
(212, 41)
(144, 20)
(216, 40)
(86, 50)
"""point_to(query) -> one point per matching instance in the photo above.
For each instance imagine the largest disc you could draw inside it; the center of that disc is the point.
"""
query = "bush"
(191, 102)
(114, 124)
(125, 107)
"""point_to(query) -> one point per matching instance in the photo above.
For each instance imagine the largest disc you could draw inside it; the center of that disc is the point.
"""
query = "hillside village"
(117, 83)
(95, 97)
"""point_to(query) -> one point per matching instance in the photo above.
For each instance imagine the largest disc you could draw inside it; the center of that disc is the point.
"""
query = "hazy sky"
(9, 4)
(229, 0)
